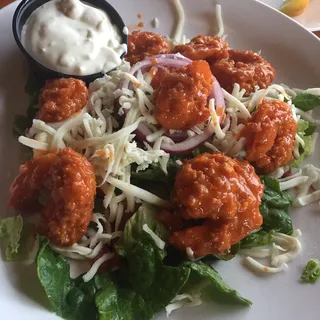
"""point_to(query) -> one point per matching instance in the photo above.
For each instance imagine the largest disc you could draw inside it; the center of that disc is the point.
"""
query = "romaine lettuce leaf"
(257, 239)
(156, 181)
(311, 128)
(305, 130)
(133, 232)
(10, 233)
(70, 299)
(142, 286)
(17, 237)
(275, 207)
(144, 277)
(306, 151)
(116, 303)
(206, 280)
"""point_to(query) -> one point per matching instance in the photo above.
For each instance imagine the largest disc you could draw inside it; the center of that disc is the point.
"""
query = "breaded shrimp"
(270, 135)
(142, 44)
(203, 48)
(222, 196)
(69, 179)
(246, 68)
(61, 98)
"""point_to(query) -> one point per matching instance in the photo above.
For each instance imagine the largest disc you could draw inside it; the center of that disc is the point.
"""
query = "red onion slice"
(167, 60)
(189, 144)
(142, 132)
(217, 94)
(183, 144)
(177, 136)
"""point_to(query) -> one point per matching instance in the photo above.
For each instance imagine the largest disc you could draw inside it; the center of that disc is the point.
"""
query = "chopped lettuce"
(145, 271)
(302, 126)
(10, 233)
(275, 207)
(306, 151)
(306, 101)
(204, 279)
(311, 272)
(305, 130)
(257, 239)
(141, 287)
(226, 256)
(114, 303)
(70, 299)
(154, 178)
(17, 238)
(22, 122)
(312, 126)
(33, 85)
(133, 232)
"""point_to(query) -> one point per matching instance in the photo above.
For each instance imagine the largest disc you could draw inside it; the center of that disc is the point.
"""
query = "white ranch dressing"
(73, 38)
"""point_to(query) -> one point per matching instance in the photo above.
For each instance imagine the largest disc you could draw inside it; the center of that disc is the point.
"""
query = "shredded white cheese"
(183, 300)
(138, 192)
(34, 144)
(237, 104)
(262, 268)
(94, 268)
(158, 241)
(215, 120)
(284, 249)
(190, 253)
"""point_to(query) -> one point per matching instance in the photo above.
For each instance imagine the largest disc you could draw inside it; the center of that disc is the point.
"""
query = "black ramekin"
(23, 12)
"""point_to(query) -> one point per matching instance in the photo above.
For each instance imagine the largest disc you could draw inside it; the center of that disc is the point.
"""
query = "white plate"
(250, 25)
(310, 18)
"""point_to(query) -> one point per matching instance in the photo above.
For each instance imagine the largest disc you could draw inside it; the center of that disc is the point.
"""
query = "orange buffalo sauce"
(182, 96)
(270, 135)
(61, 98)
(145, 44)
(222, 196)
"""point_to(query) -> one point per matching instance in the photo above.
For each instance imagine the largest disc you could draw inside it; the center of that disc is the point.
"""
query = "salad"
(184, 154)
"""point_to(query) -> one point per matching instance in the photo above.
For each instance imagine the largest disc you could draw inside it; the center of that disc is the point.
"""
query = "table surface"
(3, 3)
